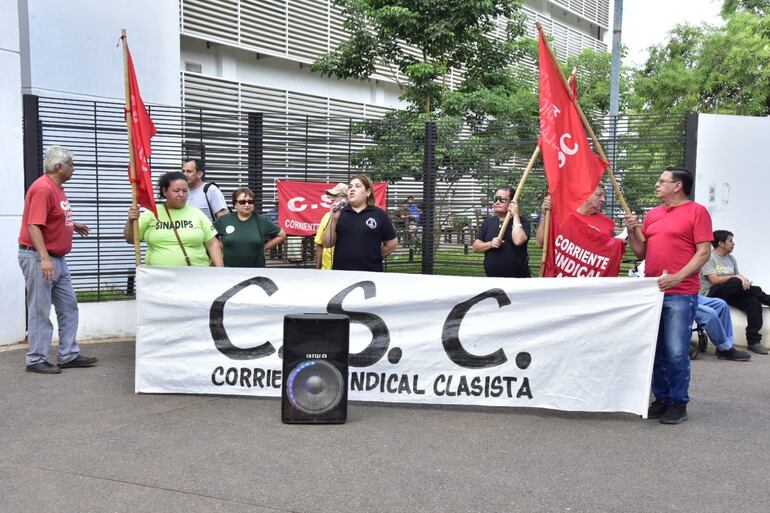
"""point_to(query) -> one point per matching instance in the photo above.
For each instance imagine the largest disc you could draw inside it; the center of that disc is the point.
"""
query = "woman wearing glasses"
(245, 235)
(507, 258)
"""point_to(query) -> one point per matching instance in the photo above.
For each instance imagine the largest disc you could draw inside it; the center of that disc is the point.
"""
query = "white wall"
(240, 65)
(732, 179)
(111, 319)
(72, 53)
(11, 194)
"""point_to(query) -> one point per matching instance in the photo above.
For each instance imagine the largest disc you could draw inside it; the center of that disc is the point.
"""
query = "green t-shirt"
(244, 241)
(194, 230)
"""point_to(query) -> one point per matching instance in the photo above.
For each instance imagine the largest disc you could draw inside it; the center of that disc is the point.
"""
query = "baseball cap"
(338, 190)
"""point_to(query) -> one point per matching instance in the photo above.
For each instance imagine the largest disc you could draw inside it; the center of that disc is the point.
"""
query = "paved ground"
(100, 448)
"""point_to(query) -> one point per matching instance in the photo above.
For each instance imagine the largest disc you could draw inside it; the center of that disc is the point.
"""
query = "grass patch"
(110, 293)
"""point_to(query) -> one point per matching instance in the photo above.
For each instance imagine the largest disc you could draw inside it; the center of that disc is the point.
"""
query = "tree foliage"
(423, 40)
(711, 69)
(420, 42)
(758, 7)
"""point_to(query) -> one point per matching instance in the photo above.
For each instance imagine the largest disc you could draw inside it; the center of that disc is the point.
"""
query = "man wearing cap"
(47, 225)
(324, 257)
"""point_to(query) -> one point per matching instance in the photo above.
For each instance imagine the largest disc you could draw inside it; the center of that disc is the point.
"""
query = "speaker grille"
(315, 386)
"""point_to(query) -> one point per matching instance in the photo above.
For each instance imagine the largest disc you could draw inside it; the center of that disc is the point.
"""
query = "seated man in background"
(713, 315)
(720, 278)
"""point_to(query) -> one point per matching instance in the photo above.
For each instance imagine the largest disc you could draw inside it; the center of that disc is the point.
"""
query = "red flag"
(582, 250)
(301, 205)
(142, 130)
(572, 169)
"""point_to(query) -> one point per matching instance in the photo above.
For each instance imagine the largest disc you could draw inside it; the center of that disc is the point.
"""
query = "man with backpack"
(204, 196)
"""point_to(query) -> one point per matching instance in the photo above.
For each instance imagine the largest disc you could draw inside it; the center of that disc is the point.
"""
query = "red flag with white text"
(301, 205)
(142, 130)
(573, 170)
(581, 250)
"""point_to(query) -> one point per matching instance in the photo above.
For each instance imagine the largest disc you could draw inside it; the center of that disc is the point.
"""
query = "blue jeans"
(671, 371)
(41, 293)
(713, 315)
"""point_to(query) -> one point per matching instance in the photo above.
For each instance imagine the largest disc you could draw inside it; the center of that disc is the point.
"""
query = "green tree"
(710, 69)
(421, 42)
(759, 7)
(593, 85)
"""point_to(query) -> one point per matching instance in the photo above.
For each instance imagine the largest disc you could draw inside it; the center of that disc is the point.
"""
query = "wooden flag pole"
(547, 216)
(132, 164)
(519, 188)
(547, 220)
(524, 177)
(591, 133)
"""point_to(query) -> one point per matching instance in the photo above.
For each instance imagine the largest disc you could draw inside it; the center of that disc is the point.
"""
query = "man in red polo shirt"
(678, 243)
(45, 238)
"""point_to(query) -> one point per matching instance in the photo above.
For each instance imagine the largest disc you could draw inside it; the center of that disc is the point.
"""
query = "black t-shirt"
(359, 239)
(509, 260)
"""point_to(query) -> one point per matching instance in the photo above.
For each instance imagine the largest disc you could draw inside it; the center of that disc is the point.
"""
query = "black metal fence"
(449, 168)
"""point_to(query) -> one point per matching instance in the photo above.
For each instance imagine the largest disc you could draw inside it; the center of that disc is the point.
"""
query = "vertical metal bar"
(98, 203)
(428, 219)
(33, 140)
(202, 151)
(255, 138)
(617, 29)
(350, 142)
(691, 147)
(307, 127)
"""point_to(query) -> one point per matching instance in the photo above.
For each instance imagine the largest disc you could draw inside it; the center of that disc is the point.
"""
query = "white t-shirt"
(198, 200)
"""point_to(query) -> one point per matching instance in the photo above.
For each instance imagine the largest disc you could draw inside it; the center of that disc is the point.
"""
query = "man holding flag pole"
(678, 244)
(573, 171)
(675, 237)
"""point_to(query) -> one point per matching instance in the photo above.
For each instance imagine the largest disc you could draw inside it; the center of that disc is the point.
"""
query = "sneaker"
(43, 368)
(734, 355)
(79, 361)
(674, 414)
(757, 348)
(656, 409)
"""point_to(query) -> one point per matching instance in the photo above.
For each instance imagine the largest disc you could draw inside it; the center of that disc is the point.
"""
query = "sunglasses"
(500, 199)
(245, 202)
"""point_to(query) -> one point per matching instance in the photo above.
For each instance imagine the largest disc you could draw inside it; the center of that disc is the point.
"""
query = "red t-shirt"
(599, 222)
(47, 206)
(672, 234)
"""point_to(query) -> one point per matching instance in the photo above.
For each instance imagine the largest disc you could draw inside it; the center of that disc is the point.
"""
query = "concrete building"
(235, 55)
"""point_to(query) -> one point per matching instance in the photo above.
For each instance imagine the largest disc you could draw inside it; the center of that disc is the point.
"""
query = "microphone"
(339, 206)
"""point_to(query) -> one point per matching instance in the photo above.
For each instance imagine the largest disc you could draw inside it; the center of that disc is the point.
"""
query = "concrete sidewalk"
(101, 448)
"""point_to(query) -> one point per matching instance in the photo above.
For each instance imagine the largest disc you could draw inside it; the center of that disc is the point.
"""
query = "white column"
(12, 322)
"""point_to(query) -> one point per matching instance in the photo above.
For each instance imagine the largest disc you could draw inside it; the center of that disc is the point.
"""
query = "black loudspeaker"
(315, 369)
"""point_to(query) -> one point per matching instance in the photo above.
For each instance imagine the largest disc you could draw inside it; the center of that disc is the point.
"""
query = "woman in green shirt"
(246, 235)
(181, 235)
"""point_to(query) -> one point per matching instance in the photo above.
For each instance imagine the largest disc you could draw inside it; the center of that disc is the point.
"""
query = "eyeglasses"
(245, 202)
(659, 182)
(500, 199)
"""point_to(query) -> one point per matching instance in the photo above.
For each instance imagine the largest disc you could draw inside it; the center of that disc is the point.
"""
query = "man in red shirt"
(590, 212)
(45, 238)
(678, 243)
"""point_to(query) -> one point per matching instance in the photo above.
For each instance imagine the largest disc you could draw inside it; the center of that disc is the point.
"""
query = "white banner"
(576, 344)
